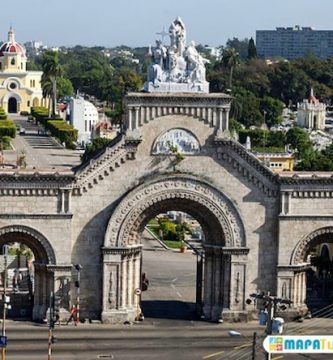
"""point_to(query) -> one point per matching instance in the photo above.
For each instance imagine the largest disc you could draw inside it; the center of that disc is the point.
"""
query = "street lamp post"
(78, 268)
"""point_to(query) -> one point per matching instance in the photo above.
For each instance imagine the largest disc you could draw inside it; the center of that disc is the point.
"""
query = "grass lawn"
(172, 244)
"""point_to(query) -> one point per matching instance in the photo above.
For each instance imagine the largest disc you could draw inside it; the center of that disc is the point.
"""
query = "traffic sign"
(3, 341)
(137, 291)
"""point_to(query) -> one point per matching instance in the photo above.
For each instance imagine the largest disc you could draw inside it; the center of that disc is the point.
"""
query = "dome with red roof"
(11, 46)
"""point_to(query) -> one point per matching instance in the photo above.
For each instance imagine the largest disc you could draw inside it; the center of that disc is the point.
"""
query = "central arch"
(42, 282)
(225, 243)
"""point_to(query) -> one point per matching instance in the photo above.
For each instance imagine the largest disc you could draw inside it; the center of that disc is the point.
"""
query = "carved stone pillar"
(225, 271)
(121, 275)
(291, 285)
(60, 283)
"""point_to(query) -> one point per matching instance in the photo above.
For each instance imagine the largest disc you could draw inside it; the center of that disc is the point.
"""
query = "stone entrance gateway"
(174, 152)
(225, 245)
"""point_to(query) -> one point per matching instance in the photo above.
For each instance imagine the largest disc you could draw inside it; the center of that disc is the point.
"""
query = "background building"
(311, 113)
(83, 117)
(294, 42)
(19, 89)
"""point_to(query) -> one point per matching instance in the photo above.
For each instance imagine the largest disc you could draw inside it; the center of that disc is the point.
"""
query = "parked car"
(24, 113)
(22, 131)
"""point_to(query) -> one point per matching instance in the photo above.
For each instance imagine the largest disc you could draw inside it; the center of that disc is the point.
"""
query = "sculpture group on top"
(177, 67)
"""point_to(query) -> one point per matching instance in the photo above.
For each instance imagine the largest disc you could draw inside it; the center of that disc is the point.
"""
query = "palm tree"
(230, 59)
(51, 70)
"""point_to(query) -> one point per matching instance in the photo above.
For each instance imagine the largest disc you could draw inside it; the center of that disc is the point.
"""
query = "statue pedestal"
(173, 87)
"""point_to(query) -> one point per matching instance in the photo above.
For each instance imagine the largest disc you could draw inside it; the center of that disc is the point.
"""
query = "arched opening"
(25, 258)
(35, 102)
(217, 282)
(12, 105)
(315, 122)
(320, 275)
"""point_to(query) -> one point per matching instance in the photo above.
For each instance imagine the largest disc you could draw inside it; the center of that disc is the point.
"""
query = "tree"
(64, 87)
(252, 50)
(51, 71)
(241, 46)
(245, 108)
(230, 59)
(299, 140)
(272, 108)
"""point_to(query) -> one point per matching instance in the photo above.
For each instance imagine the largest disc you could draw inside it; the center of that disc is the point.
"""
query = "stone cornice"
(60, 268)
(247, 165)
(306, 217)
(34, 180)
(300, 267)
(122, 250)
(226, 250)
(37, 216)
(306, 178)
(179, 99)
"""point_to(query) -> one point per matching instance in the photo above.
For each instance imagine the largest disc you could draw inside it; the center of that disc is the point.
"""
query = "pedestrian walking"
(73, 316)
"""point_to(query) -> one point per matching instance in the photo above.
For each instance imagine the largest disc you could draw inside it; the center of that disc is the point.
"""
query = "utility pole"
(78, 267)
(272, 303)
(3, 350)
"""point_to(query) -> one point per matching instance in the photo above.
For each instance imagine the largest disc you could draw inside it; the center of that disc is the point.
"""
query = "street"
(41, 151)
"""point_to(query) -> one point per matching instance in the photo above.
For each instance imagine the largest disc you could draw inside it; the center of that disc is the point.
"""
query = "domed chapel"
(19, 89)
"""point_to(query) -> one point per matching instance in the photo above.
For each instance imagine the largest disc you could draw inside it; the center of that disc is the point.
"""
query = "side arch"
(179, 192)
(303, 246)
(38, 243)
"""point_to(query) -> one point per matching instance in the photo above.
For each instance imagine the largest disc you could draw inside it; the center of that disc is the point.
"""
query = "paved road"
(165, 340)
(41, 151)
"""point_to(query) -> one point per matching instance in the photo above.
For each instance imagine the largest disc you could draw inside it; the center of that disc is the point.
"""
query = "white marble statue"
(196, 64)
(176, 68)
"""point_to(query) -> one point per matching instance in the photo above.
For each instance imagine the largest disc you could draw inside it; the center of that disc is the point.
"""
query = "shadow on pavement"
(169, 309)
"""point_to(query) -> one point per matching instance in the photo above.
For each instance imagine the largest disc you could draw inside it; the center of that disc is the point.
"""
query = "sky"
(135, 22)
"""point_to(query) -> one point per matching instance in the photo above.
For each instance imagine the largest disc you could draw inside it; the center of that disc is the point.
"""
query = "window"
(28, 103)
(13, 61)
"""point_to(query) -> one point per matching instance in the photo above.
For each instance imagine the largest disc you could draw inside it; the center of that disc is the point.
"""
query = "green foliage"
(41, 114)
(252, 50)
(240, 46)
(7, 128)
(51, 72)
(299, 140)
(246, 108)
(272, 108)
(316, 161)
(230, 59)
(96, 146)
(64, 87)
(264, 140)
(62, 131)
(5, 143)
(3, 115)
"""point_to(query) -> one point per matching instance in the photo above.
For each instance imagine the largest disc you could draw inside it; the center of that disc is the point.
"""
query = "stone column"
(220, 121)
(226, 120)
(123, 300)
(136, 118)
(130, 119)
(153, 112)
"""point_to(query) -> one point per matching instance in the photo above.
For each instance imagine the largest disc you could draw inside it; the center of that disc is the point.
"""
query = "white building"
(311, 113)
(83, 117)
